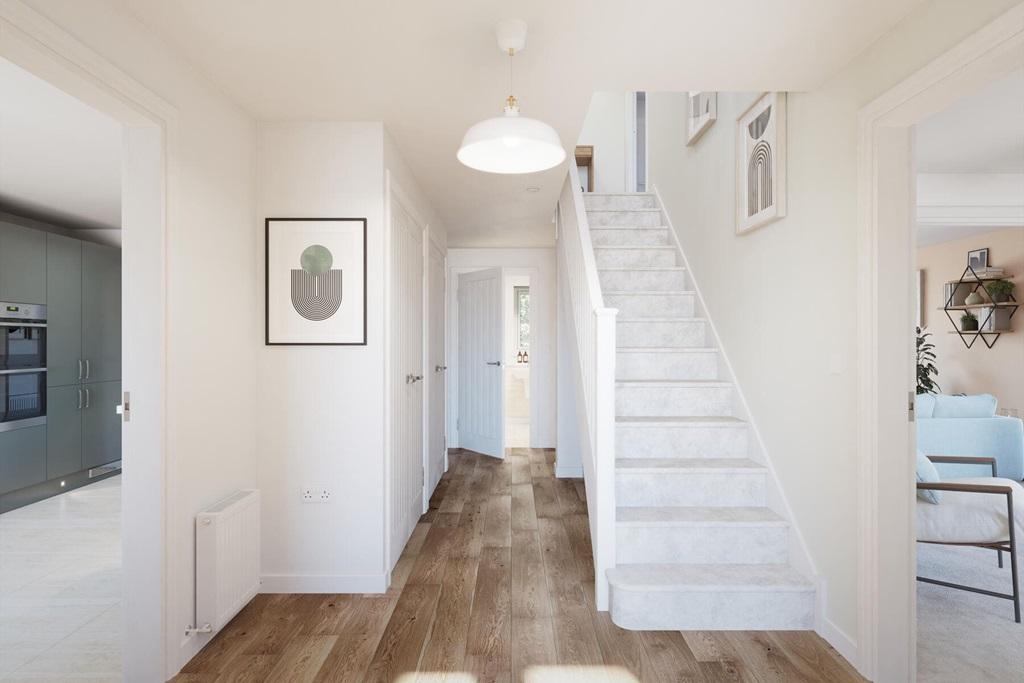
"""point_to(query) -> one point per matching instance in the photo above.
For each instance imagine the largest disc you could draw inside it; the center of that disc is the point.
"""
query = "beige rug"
(965, 637)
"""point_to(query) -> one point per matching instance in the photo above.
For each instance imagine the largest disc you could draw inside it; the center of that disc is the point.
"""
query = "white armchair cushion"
(970, 517)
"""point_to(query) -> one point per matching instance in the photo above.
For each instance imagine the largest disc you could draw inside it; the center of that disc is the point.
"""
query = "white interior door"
(406, 375)
(481, 350)
(436, 366)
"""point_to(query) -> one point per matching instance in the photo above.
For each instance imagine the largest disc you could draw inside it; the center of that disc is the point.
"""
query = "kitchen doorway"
(129, 365)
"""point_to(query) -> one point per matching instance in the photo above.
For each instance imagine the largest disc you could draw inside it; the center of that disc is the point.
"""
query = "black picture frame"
(266, 279)
(982, 255)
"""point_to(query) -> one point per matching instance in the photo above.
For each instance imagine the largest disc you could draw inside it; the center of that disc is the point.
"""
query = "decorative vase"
(969, 325)
(973, 299)
(1001, 297)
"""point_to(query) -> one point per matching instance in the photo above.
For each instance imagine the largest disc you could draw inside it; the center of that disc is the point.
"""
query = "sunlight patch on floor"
(578, 674)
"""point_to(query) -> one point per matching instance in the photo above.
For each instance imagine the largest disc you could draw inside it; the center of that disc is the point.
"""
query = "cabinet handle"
(79, 399)
(87, 370)
(79, 369)
(86, 397)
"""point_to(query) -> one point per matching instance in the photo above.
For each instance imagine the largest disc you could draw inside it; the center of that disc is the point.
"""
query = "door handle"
(87, 370)
(79, 369)
(79, 399)
(87, 398)
(494, 362)
(124, 408)
(440, 368)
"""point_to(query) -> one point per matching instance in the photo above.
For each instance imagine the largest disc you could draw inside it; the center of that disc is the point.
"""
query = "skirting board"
(569, 472)
(838, 639)
(304, 583)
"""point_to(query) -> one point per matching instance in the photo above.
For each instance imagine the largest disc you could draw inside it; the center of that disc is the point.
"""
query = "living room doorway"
(888, 212)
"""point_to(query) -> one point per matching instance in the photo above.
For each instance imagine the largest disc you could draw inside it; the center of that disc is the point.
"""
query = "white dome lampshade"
(511, 144)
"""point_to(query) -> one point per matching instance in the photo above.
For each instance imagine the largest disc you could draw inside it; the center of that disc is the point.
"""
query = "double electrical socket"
(315, 494)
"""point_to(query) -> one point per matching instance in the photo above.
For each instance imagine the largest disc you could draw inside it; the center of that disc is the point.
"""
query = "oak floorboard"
(533, 644)
(402, 643)
(446, 648)
(349, 658)
(488, 642)
(530, 596)
(498, 525)
(671, 659)
(524, 511)
(495, 585)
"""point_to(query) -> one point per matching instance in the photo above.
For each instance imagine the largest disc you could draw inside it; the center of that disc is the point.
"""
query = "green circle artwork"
(316, 259)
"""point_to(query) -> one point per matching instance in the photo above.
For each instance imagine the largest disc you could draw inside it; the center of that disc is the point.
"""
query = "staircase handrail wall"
(593, 330)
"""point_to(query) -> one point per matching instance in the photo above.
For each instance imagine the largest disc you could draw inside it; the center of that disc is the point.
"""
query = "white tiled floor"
(60, 587)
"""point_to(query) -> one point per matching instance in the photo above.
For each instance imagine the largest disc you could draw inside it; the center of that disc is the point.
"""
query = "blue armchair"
(968, 425)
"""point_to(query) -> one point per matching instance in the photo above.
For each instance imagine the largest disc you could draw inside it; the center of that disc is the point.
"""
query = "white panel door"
(436, 369)
(406, 376)
(481, 342)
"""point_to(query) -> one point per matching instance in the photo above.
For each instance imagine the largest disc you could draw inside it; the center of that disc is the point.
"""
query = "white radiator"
(227, 559)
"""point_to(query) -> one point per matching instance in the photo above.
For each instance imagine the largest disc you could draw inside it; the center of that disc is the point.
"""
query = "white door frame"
(430, 244)
(393, 192)
(886, 215)
(149, 168)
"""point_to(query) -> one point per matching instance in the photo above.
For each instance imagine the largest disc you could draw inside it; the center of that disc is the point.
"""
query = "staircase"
(696, 545)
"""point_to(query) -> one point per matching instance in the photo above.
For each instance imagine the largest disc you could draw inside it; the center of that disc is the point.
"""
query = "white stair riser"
(672, 401)
(697, 609)
(681, 365)
(666, 305)
(709, 489)
(661, 334)
(639, 257)
(619, 202)
(642, 280)
(702, 544)
(629, 237)
(681, 441)
(626, 219)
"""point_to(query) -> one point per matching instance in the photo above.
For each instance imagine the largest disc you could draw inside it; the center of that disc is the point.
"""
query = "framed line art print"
(315, 281)
(761, 163)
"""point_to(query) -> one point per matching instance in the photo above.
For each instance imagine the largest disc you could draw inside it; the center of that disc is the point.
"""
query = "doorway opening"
(517, 361)
(89, 286)
(887, 424)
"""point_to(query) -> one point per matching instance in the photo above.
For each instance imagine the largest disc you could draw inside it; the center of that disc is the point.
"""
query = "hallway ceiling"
(431, 69)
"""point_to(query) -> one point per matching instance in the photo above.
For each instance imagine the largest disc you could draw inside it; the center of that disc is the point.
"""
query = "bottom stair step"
(710, 597)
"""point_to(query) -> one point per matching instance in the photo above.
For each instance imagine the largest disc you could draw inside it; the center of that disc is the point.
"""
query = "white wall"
(213, 326)
(321, 418)
(321, 409)
(783, 296)
(540, 265)
(606, 127)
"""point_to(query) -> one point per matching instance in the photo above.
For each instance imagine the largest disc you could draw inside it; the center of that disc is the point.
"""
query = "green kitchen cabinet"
(64, 407)
(22, 458)
(22, 264)
(101, 312)
(64, 359)
(101, 425)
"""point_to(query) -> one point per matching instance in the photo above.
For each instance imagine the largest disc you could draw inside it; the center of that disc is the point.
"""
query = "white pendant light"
(511, 143)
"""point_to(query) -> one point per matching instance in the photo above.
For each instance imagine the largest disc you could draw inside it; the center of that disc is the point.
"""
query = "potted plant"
(926, 383)
(969, 322)
(999, 290)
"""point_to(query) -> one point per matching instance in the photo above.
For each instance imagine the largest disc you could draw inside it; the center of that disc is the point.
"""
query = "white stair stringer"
(702, 541)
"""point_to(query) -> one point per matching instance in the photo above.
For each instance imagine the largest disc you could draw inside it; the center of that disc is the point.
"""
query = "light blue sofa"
(968, 425)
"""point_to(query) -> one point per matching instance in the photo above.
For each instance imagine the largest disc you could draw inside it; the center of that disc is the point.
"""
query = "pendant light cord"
(511, 101)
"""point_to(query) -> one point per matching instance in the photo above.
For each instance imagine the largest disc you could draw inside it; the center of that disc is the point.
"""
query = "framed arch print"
(761, 162)
(315, 281)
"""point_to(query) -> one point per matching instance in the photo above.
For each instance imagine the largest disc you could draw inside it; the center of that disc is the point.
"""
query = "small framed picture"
(978, 259)
(316, 281)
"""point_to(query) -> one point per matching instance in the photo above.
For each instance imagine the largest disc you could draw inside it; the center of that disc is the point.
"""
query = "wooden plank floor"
(496, 584)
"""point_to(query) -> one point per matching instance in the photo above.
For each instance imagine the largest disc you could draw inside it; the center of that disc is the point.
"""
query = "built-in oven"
(22, 365)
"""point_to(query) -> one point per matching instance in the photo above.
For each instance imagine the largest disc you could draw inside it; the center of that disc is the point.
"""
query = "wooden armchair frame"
(1009, 545)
